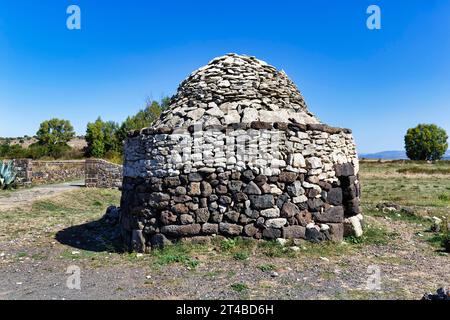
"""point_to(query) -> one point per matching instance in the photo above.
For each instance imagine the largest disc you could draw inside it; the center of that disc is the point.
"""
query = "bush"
(114, 157)
(7, 175)
(426, 142)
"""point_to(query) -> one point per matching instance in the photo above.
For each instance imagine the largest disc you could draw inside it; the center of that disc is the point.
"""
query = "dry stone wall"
(96, 173)
(43, 172)
(103, 174)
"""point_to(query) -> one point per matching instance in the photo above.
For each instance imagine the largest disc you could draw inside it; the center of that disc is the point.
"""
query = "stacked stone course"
(238, 154)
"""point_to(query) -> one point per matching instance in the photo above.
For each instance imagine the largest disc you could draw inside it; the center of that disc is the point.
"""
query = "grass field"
(41, 240)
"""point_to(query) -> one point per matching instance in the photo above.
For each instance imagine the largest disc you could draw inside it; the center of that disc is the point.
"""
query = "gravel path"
(25, 197)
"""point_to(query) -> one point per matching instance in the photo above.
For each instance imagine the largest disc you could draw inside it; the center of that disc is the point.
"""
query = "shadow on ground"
(98, 236)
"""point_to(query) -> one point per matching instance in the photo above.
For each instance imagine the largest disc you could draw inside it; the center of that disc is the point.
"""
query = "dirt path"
(25, 197)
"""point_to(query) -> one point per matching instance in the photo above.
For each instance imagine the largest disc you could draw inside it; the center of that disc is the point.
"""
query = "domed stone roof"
(232, 89)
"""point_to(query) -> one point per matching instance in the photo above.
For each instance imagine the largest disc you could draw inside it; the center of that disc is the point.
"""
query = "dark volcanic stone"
(225, 200)
(232, 216)
(271, 233)
(181, 199)
(230, 229)
(181, 230)
(159, 241)
(202, 215)
(210, 228)
(168, 217)
(352, 208)
(350, 192)
(344, 170)
(314, 235)
(250, 230)
(221, 189)
(216, 217)
(303, 218)
(172, 182)
(195, 177)
(252, 188)
(235, 186)
(289, 210)
(282, 199)
(334, 197)
(333, 214)
(180, 191)
(180, 208)
(315, 204)
(240, 197)
(336, 232)
(325, 185)
(259, 125)
(206, 189)
(262, 201)
(260, 180)
(248, 175)
(287, 177)
(294, 232)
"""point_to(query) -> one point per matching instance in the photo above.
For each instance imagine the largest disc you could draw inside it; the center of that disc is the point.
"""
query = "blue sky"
(377, 82)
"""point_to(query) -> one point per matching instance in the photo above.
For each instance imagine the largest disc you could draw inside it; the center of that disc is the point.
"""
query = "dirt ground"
(35, 265)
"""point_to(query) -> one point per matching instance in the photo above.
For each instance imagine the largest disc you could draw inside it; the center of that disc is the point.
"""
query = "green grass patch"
(239, 287)
(177, 253)
(267, 267)
(373, 235)
(242, 255)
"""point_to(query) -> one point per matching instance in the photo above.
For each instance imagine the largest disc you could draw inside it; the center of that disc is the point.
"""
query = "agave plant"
(7, 174)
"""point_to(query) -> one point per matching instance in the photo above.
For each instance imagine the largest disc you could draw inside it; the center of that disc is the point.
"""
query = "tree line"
(104, 138)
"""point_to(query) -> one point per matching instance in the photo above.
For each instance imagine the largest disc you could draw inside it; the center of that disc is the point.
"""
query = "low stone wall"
(102, 174)
(96, 173)
(44, 172)
(24, 169)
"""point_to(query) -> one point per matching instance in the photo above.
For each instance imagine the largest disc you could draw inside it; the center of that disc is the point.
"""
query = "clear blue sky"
(378, 83)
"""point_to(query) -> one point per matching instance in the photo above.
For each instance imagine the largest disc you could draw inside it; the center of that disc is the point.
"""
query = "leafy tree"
(426, 142)
(55, 132)
(144, 118)
(101, 138)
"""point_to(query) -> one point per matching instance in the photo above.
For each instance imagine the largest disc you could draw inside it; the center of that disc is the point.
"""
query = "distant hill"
(78, 143)
(392, 155)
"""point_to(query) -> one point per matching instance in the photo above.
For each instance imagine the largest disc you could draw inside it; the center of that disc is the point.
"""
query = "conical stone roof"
(232, 89)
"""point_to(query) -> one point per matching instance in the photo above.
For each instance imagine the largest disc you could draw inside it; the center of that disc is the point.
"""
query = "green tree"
(144, 118)
(54, 132)
(101, 138)
(426, 142)
(53, 136)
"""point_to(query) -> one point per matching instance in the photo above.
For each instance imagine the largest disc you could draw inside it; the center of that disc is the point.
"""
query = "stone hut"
(237, 153)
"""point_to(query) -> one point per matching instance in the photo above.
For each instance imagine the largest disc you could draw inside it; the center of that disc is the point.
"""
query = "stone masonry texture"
(237, 153)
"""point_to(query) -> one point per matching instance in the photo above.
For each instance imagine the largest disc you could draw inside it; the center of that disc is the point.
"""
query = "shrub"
(7, 175)
(426, 142)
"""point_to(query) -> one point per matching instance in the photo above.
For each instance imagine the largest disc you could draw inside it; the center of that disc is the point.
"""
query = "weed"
(267, 267)
(241, 255)
(239, 287)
